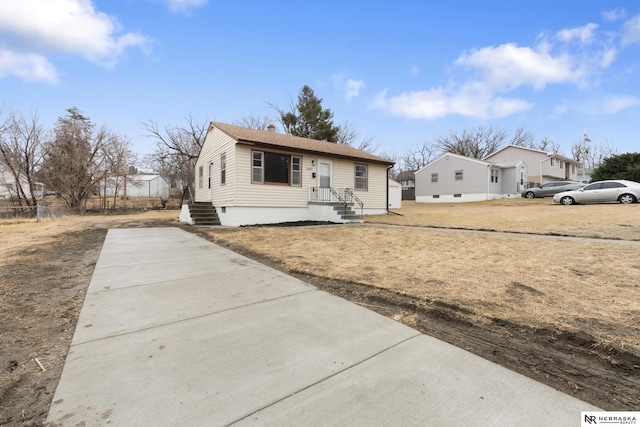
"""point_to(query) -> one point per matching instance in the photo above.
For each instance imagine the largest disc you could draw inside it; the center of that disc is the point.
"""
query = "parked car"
(622, 191)
(551, 188)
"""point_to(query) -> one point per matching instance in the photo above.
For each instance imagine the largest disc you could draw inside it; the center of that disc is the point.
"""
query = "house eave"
(313, 152)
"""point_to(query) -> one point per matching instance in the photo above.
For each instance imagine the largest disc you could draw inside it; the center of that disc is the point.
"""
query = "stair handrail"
(348, 192)
(186, 189)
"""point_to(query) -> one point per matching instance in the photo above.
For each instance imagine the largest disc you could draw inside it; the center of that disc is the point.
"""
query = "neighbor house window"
(296, 170)
(200, 176)
(361, 177)
(552, 162)
(573, 168)
(272, 168)
(458, 175)
(561, 164)
(434, 177)
(223, 168)
(495, 173)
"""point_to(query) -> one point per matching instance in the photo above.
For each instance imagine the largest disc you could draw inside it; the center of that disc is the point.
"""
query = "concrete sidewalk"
(175, 330)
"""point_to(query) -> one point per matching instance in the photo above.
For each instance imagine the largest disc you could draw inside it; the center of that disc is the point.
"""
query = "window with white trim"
(296, 171)
(458, 175)
(223, 169)
(200, 176)
(361, 177)
(495, 173)
(434, 178)
(274, 168)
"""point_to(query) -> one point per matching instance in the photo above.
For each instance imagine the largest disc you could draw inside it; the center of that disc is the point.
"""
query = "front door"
(324, 180)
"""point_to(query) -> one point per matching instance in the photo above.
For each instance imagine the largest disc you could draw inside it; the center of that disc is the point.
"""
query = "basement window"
(436, 196)
(457, 195)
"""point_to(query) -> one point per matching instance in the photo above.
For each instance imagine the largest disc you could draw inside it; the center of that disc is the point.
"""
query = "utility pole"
(126, 171)
(583, 153)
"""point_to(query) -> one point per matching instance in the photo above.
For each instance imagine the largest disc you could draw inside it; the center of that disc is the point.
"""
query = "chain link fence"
(30, 212)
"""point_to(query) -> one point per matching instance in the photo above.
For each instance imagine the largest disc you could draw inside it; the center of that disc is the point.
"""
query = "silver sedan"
(622, 191)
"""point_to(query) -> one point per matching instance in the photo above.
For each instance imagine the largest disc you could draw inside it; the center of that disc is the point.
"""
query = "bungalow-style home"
(456, 178)
(9, 187)
(543, 166)
(260, 177)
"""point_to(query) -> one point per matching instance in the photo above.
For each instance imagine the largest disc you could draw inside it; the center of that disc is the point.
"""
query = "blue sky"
(402, 72)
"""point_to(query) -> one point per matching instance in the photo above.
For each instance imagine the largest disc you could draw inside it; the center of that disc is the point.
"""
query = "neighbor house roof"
(546, 153)
(271, 139)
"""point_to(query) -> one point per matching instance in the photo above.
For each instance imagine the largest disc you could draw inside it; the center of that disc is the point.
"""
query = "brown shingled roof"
(274, 140)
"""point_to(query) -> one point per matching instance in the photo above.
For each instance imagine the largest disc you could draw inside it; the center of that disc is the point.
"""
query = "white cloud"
(353, 88)
(614, 14)
(41, 27)
(509, 66)
(184, 5)
(631, 31)
(472, 101)
(30, 67)
(582, 34)
(616, 104)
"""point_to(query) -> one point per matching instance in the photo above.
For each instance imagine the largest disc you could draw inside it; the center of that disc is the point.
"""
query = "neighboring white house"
(260, 177)
(8, 187)
(139, 185)
(455, 178)
(543, 166)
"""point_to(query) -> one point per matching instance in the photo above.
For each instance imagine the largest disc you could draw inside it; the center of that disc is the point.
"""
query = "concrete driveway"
(175, 330)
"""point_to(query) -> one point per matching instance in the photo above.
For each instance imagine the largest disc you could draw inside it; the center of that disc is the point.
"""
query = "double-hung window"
(495, 173)
(200, 176)
(361, 172)
(458, 175)
(223, 169)
(434, 178)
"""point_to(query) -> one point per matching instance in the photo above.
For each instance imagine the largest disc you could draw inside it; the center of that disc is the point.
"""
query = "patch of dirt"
(573, 363)
(41, 294)
(42, 291)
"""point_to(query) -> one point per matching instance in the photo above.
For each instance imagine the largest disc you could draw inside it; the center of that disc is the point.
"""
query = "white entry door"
(324, 180)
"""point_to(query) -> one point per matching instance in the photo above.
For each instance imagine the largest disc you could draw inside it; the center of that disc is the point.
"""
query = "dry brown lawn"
(539, 281)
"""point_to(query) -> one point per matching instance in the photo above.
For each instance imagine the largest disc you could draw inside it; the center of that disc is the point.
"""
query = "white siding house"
(138, 185)
(9, 186)
(543, 166)
(261, 177)
(455, 178)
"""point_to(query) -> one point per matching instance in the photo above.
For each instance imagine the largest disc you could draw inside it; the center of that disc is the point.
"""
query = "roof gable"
(275, 140)
(533, 150)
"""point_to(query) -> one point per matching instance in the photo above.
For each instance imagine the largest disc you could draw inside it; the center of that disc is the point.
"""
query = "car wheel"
(529, 195)
(627, 198)
(567, 200)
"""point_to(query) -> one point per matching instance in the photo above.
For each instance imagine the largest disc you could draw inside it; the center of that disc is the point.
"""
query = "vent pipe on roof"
(271, 128)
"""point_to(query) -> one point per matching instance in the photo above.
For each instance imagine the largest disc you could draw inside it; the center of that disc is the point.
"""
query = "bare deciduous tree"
(21, 152)
(74, 158)
(177, 149)
(476, 143)
(418, 156)
(254, 122)
(592, 154)
(348, 135)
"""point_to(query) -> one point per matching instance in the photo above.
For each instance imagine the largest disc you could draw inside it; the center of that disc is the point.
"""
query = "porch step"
(203, 213)
(347, 213)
